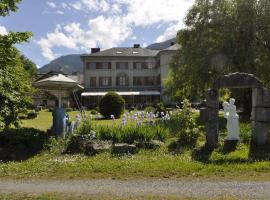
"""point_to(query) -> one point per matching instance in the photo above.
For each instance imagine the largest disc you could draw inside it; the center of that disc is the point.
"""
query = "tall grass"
(131, 133)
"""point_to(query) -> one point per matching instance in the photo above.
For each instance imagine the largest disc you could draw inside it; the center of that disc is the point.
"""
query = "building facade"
(135, 73)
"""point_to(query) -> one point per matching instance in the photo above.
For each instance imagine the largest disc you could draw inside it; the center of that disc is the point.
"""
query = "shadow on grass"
(229, 146)
(259, 152)
(202, 154)
(21, 144)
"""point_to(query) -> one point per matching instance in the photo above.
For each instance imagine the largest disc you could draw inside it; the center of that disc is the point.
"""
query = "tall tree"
(221, 36)
(15, 84)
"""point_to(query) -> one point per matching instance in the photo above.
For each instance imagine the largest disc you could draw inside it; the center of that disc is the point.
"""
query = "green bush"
(182, 123)
(149, 109)
(112, 104)
(85, 127)
(160, 108)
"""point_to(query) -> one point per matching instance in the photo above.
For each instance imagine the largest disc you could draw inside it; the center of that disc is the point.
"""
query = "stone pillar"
(260, 115)
(209, 115)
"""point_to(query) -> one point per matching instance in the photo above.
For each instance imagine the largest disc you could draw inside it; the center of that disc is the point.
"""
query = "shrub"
(183, 125)
(20, 144)
(94, 112)
(160, 108)
(149, 109)
(112, 104)
(84, 128)
(32, 114)
(69, 109)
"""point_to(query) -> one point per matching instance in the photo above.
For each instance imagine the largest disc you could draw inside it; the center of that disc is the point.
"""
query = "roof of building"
(57, 81)
(174, 47)
(125, 51)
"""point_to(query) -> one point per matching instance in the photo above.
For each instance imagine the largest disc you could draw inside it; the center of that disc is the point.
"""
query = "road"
(119, 188)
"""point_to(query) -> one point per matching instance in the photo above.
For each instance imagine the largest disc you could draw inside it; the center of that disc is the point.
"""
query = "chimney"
(172, 43)
(136, 45)
(95, 50)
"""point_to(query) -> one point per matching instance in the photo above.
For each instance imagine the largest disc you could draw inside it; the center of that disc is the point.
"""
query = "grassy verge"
(146, 164)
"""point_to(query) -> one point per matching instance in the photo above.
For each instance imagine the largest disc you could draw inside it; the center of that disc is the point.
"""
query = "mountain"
(162, 45)
(67, 64)
(72, 63)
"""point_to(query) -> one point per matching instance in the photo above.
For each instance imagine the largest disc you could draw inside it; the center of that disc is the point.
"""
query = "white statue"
(232, 120)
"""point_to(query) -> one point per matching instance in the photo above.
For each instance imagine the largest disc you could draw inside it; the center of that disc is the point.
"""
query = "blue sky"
(63, 27)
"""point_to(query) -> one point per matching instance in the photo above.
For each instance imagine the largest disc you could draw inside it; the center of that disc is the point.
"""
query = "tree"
(29, 67)
(15, 84)
(221, 36)
(112, 104)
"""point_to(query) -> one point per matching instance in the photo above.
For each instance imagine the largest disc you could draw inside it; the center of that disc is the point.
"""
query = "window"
(105, 81)
(122, 65)
(137, 65)
(90, 65)
(144, 81)
(103, 65)
(93, 82)
(138, 81)
(144, 65)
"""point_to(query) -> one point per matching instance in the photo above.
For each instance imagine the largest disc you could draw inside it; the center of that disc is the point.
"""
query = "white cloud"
(169, 33)
(3, 30)
(60, 12)
(91, 5)
(114, 22)
(103, 31)
(51, 4)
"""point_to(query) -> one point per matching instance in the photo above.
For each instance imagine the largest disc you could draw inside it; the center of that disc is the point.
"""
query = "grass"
(44, 120)
(146, 164)
(161, 163)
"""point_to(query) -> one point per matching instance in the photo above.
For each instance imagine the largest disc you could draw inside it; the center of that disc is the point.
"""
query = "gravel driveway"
(201, 189)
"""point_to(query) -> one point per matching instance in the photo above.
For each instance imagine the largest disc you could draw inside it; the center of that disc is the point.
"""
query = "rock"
(124, 148)
(87, 144)
(153, 144)
(97, 146)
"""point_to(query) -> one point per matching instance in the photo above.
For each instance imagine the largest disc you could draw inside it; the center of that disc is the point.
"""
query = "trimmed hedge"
(112, 104)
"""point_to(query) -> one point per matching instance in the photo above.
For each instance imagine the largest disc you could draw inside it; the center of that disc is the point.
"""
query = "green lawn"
(160, 163)
(44, 120)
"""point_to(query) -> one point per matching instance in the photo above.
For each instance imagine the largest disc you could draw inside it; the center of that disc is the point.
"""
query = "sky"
(62, 27)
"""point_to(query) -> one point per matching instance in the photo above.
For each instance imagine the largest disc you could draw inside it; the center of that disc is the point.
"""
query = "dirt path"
(243, 190)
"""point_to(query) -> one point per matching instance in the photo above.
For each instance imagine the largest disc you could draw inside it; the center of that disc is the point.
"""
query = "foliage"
(85, 127)
(221, 37)
(112, 104)
(29, 67)
(8, 5)
(182, 123)
(130, 134)
(160, 108)
(15, 84)
(19, 144)
(149, 109)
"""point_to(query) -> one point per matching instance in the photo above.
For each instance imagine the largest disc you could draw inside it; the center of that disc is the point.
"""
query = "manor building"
(135, 73)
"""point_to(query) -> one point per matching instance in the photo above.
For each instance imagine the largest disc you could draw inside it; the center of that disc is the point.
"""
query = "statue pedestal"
(59, 122)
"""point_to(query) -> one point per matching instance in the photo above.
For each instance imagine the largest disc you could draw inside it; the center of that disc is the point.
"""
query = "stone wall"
(260, 115)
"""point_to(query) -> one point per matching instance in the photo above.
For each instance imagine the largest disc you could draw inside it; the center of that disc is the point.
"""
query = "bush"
(160, 108)
(149, 109)
(32, 114)
(20, 144)
(84, 128)
(69, 109)
(112, 104)
(94, 112)
(183, 125)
